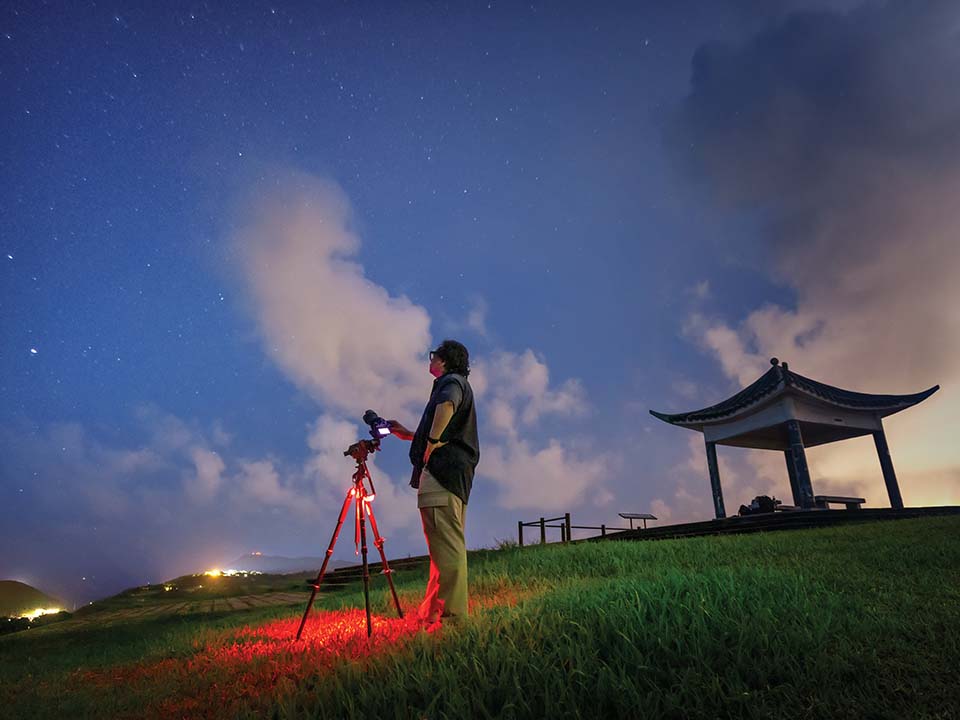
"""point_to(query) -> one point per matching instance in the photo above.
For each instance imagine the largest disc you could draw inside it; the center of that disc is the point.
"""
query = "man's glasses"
(433, 354)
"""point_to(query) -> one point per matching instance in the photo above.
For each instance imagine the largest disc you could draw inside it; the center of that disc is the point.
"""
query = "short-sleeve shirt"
(453, 465)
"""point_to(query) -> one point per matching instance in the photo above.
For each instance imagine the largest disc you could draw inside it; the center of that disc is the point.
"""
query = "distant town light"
(216, 572)
(34, 614)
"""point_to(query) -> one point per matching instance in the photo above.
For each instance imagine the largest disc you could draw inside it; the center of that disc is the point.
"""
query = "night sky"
(228, 232)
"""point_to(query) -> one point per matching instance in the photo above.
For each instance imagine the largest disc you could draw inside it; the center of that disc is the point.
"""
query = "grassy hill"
(17, 598)
(856, 621)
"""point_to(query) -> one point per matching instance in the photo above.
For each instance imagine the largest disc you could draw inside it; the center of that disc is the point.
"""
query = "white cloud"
(501, 416)
(477, 316)
(219, 435)
(328, 437)
(203, 483)
(337, 334)
(522, 380)
(515, 393)
(661, 510)
(685, 388)
(260, 482)
(551, 478)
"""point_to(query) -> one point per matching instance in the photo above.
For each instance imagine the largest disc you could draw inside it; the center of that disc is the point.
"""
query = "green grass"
(844, 622)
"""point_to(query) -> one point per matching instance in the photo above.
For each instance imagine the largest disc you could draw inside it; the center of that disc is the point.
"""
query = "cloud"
(521, 382)
(260, 483)
(551, 478)
(337, 334)
(842, 132)
(203, 483)
(515, 394)
(219, 435)
(700, 291)
(477, 316)
(661, 510)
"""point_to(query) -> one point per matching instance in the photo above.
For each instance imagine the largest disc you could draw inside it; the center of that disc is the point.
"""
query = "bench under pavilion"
(786, 411)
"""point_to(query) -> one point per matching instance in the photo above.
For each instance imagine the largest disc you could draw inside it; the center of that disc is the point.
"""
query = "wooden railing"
(565, 528)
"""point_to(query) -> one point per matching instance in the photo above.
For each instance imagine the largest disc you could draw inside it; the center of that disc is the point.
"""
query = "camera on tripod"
(363, 499)
(378, 426)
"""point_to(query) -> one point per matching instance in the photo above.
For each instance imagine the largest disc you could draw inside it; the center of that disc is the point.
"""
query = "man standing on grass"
(444, 454)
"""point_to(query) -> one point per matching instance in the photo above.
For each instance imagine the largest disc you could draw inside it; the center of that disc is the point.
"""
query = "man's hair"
(455, 357)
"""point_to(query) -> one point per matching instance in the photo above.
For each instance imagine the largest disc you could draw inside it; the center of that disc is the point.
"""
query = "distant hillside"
(276, 564)
(17, 598)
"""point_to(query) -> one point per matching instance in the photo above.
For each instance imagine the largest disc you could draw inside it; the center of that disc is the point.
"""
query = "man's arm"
(399, 430)
(441, 418)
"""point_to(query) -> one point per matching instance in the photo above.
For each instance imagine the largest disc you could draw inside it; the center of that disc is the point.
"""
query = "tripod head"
(361, 448)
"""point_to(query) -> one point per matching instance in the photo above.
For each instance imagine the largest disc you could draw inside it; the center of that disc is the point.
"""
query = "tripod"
(358, 493)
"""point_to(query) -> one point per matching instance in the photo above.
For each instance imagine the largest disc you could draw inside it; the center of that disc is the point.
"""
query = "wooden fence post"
(603, 531)
(566, 523)
(543, 532)
(520, 532)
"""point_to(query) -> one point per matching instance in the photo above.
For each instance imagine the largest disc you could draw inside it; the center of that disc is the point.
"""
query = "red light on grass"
(243, 671)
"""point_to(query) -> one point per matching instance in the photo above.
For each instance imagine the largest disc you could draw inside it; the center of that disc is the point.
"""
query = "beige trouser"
(443, 515)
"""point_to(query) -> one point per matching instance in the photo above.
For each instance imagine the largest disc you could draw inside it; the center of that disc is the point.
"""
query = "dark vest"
(453, 464)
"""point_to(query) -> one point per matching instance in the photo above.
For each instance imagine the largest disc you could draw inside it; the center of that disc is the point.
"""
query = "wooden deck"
(771, 522)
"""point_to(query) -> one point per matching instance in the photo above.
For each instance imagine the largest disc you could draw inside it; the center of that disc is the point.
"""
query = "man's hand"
(399, 430)
(431, 447)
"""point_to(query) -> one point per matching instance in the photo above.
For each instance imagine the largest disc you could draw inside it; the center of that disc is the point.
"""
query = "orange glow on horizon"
(217, 572)
(37, 612)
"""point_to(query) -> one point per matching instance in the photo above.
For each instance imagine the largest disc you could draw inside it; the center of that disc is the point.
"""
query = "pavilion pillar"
(798, 463)
(886, 465)
(714, 468)
(791, 471)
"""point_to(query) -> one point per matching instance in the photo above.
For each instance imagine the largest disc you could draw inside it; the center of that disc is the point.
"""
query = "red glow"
(250, 666)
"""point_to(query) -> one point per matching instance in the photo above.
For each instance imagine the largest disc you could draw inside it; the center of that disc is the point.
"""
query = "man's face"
(437, 366)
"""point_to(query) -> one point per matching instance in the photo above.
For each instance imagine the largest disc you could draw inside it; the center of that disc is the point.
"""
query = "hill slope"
(278, 565)
(854, 621)
(17, 598)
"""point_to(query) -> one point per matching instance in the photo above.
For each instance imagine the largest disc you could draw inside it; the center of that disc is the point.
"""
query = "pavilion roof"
(780, 379)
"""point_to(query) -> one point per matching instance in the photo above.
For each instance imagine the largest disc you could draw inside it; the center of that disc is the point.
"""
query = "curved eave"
(672, 419)
(758, 391)
(883, 405)
(682, 420)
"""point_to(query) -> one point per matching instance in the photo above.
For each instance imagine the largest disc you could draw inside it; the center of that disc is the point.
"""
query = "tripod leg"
(366, 568)
(323, 569)
(378, 542)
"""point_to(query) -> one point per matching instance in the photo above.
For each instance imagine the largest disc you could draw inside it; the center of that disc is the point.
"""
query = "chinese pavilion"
(786, 411)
